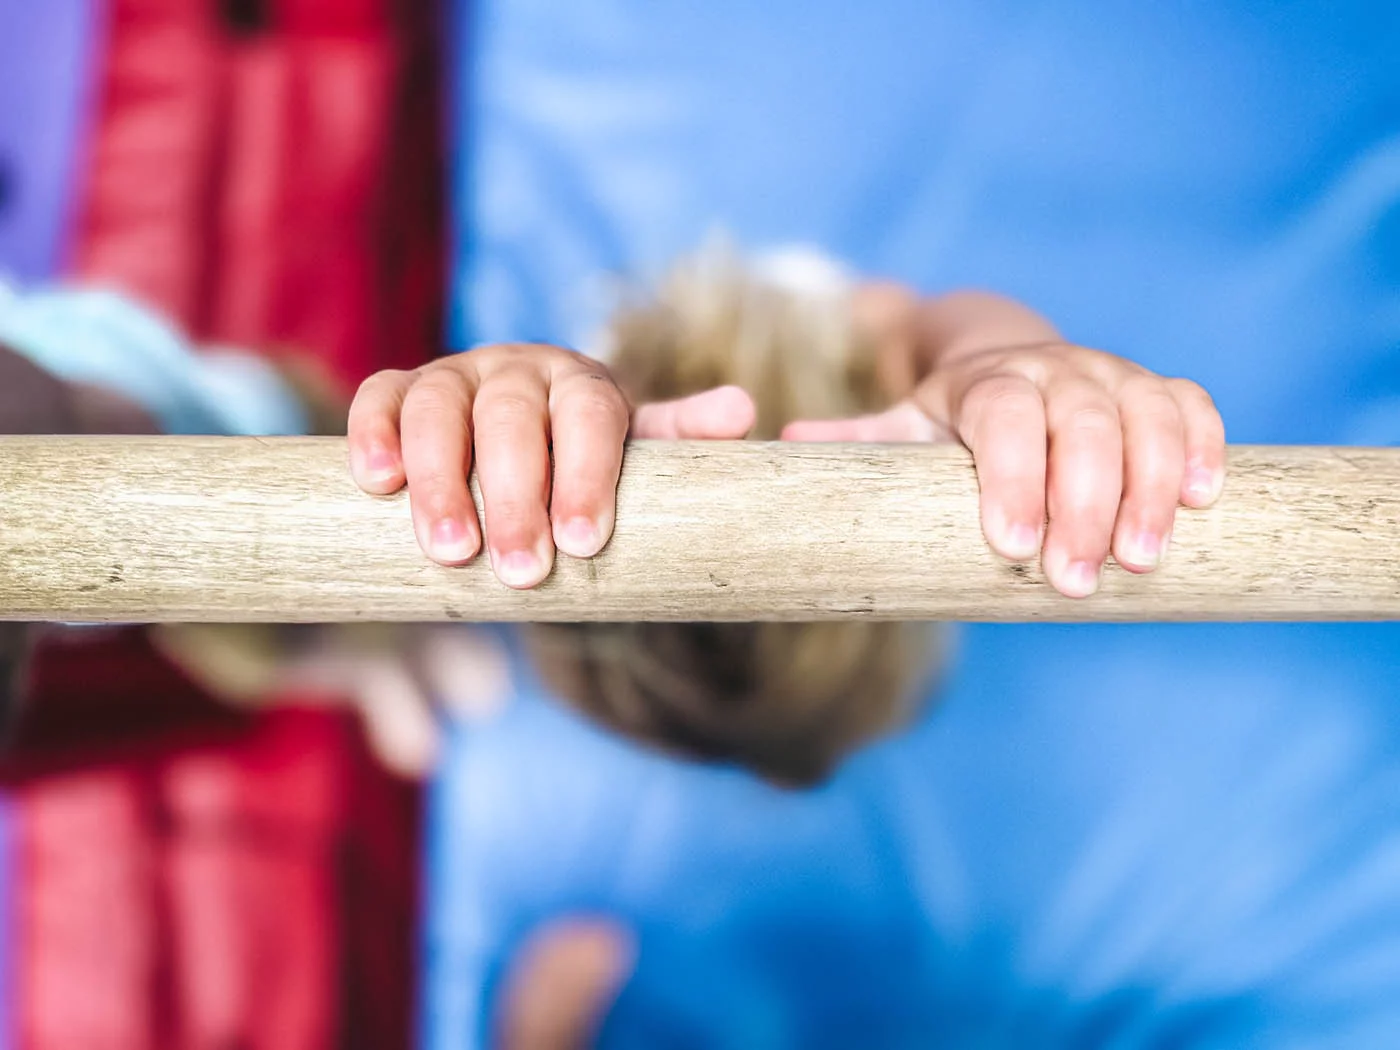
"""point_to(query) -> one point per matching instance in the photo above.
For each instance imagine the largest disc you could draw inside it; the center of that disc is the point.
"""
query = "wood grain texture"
(230, 529)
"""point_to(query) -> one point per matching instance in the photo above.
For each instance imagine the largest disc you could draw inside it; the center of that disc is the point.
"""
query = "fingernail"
(449, 541)
(580, 537)
(1144, 550)
(1080, 579)
(380, 463)
(518, 568)
(1203, 484)
(1022, 541)
(1015, 540)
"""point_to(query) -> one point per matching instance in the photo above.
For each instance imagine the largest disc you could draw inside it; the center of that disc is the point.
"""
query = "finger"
(1205, 444)
(562, 984)
(1084, 484)
(511, 420)
(589, 419)
(1002, 421)
(376, 462)
(1154, 458)
(436, 459)
(724, 413)
(906, 422)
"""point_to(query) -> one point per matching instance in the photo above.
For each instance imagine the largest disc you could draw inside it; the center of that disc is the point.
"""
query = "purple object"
(46, 52)
(46, 82)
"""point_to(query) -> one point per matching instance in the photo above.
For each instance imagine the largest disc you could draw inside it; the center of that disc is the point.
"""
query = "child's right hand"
(503, 407)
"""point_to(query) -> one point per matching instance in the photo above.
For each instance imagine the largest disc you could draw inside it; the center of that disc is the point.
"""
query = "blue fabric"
(46, 52)
(1079, 848)
(1208, 188)
(1125, 836)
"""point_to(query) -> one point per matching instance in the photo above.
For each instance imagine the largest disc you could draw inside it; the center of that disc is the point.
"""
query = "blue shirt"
(1101, 836)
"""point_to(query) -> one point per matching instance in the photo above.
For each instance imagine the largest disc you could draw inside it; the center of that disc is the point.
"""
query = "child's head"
(786, 700)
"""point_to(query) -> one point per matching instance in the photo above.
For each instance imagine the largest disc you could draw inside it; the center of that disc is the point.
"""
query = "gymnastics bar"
(273, 530)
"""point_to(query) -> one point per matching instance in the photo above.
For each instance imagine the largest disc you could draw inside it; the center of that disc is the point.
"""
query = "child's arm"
(1101, 447)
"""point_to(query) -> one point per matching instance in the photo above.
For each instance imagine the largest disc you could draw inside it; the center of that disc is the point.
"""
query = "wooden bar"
(235, 529)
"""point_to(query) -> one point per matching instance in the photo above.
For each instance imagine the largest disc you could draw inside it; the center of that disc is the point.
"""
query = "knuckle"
(445, 378)
(434, 478)
(381, 384)
(385, 377)
(433, 400)
(1200, 417)
(504, 409)
(530, 354)
(1191, 394)
(1037, 364)
(584, 373)
(1095, 421)
(1004, 394)
(1144, 387)
(1108, 369)
(1002, 403)
(1186, 387)
(1158, 409)
(587, 365)
(594, 401)
(483, 354)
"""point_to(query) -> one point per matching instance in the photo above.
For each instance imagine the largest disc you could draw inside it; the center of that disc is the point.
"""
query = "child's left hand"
(1074, 447)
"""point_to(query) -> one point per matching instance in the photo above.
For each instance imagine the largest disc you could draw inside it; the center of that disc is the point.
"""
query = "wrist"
(957, 325)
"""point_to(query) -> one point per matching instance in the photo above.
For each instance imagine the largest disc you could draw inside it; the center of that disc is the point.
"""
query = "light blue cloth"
(1111, 836)
(97, 336)
(92, 335)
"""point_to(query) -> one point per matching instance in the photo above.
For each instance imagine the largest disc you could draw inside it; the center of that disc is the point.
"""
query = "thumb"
(724, 413)
(562, 984)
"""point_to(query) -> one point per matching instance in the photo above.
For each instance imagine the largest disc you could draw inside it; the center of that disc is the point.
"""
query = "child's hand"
(506, 406)
(1098, 445)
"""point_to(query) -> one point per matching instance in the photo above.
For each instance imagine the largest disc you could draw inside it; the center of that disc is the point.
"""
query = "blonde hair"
(786, 700)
